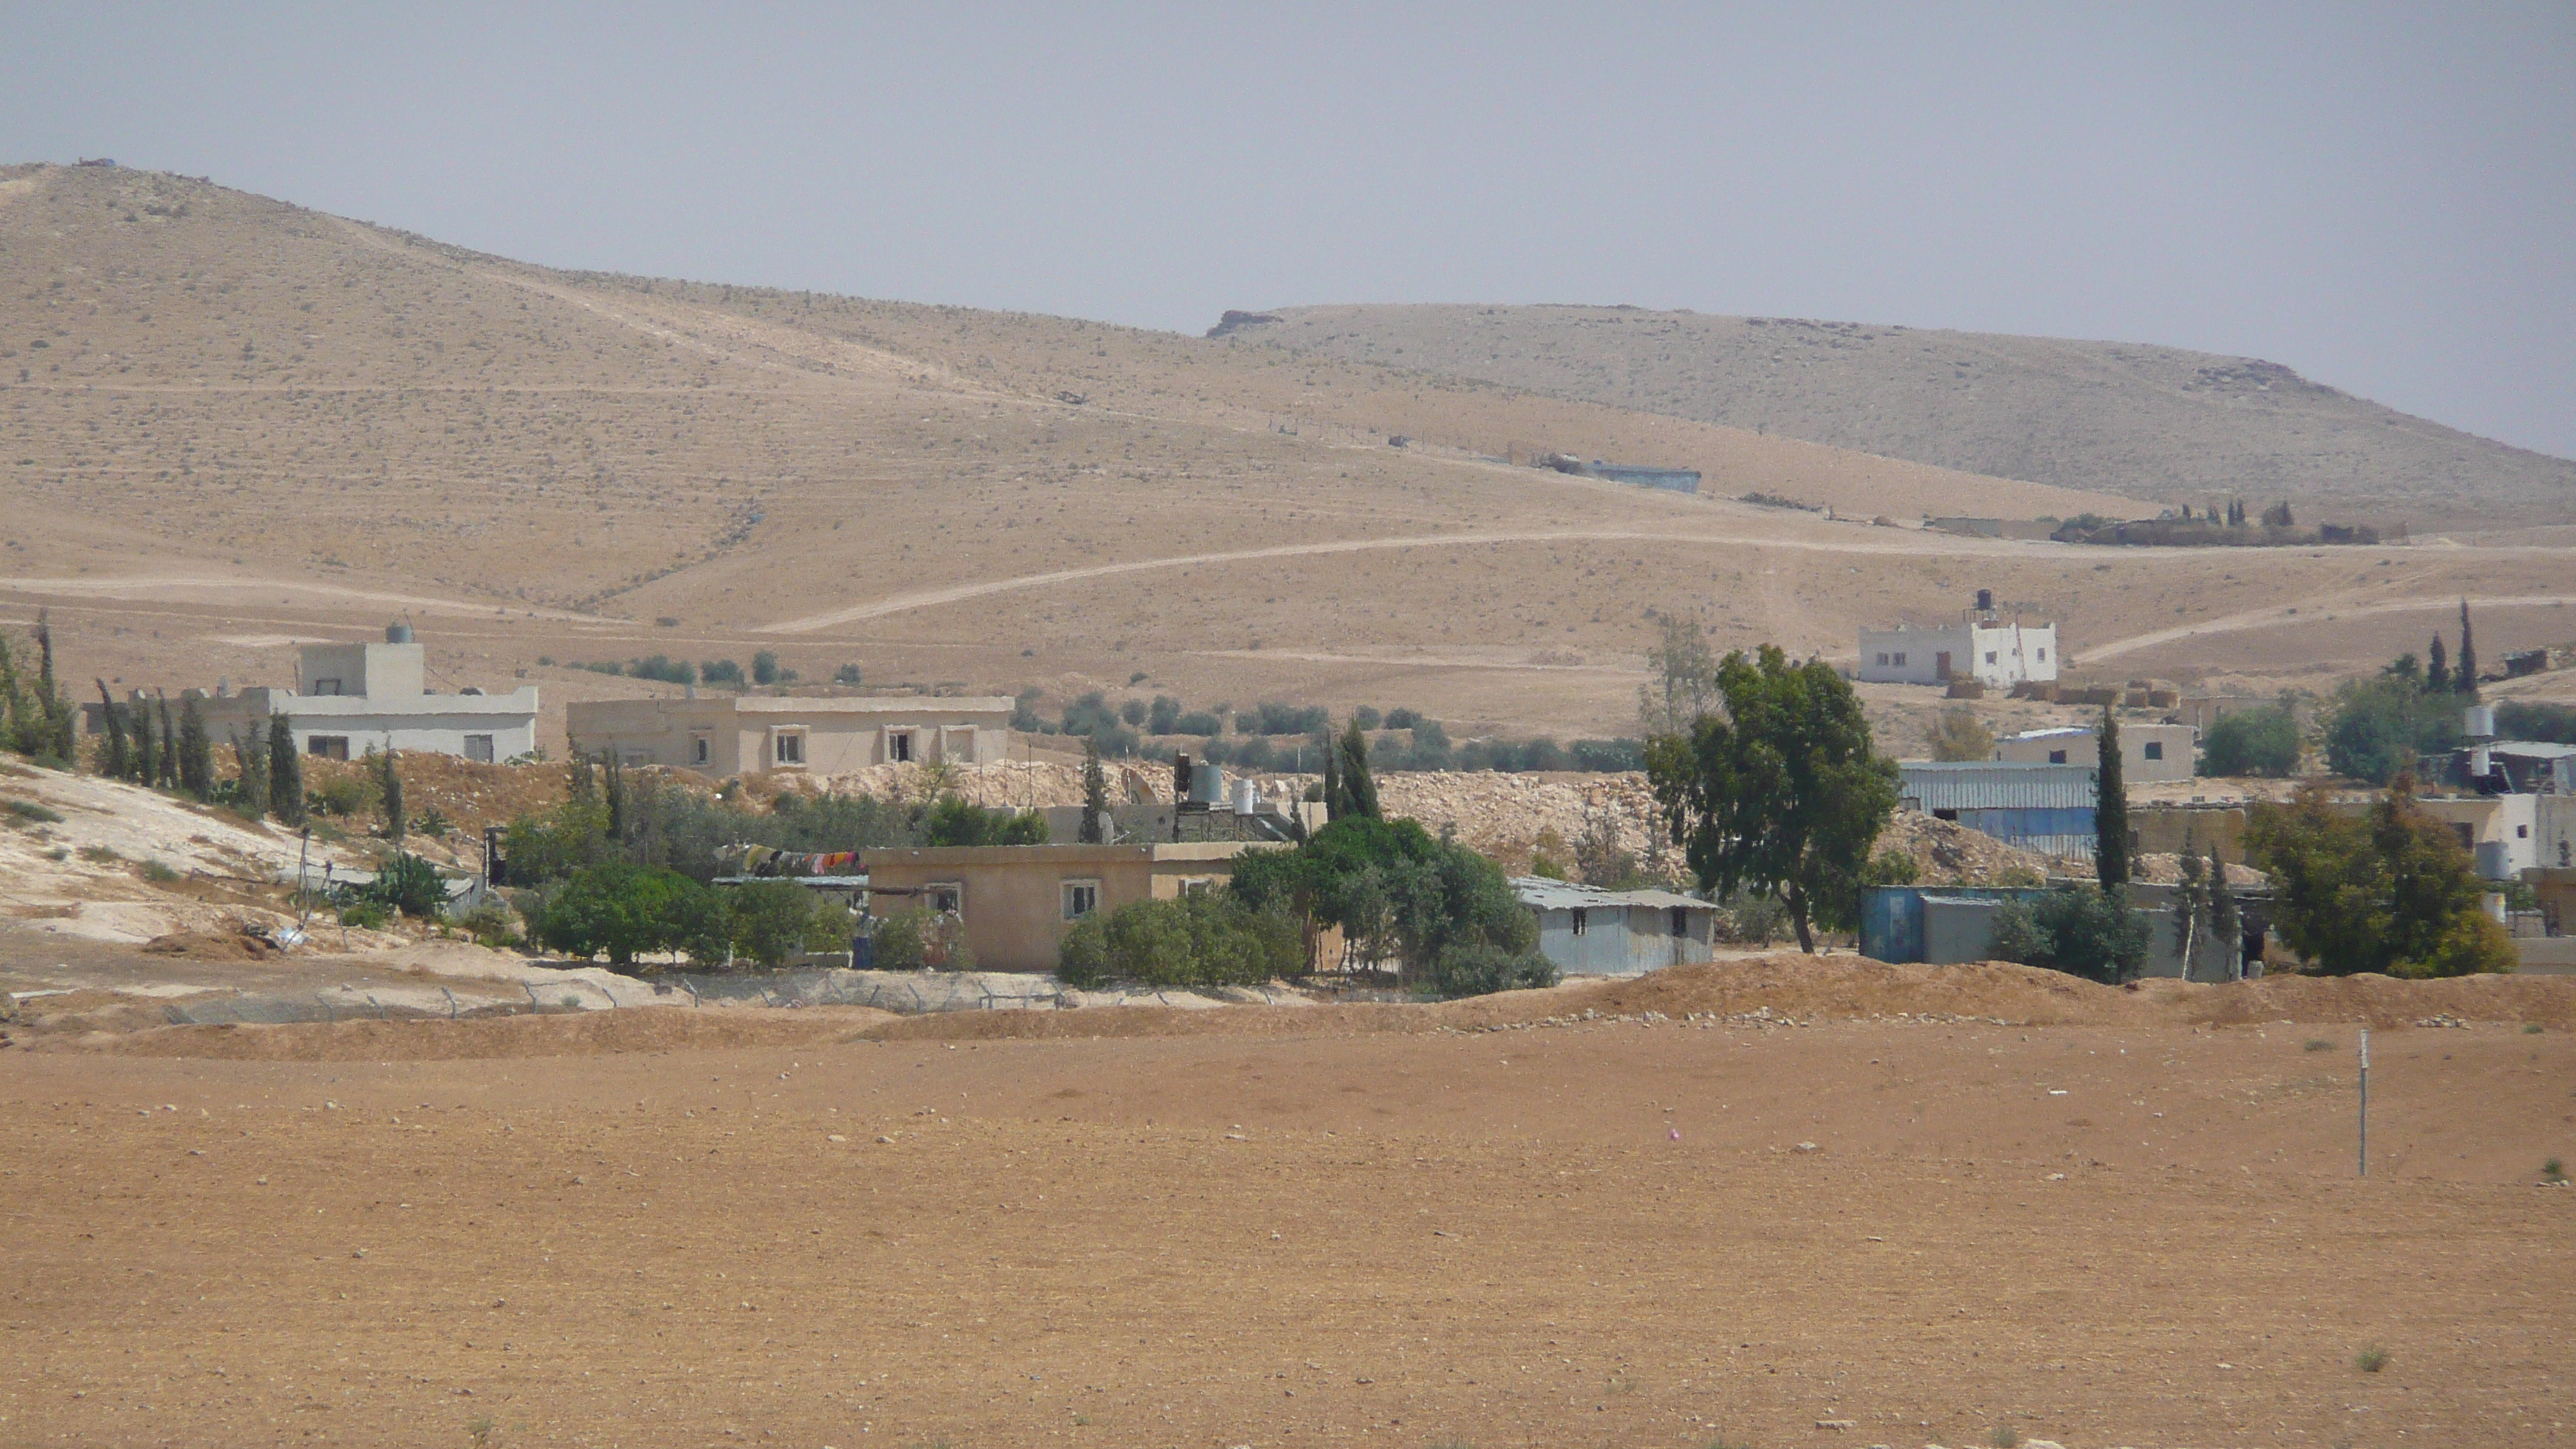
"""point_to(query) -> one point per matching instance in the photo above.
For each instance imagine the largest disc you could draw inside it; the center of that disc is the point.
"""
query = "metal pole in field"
(2365, 1101)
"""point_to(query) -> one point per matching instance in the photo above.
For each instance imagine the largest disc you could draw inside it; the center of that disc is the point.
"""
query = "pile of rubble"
(1948, 853)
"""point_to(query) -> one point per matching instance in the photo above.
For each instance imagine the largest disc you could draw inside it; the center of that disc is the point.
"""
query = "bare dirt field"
(2119, 1218)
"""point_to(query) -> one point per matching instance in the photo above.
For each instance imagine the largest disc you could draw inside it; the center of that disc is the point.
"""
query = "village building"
(2147, 751)
(739, 734)
(350, 699)
(2047, 808)
(1586, 931)
(1017, 901)
(1982, 646)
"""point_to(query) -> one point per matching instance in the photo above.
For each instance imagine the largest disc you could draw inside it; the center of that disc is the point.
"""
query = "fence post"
(2365, 1101)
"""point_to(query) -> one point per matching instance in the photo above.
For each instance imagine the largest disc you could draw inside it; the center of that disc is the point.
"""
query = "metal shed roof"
(1540, 893)
(1999, 785)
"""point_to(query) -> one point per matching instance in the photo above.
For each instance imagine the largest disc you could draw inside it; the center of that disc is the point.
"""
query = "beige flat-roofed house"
(743, 734)
(1017, 901)
(2147, 751)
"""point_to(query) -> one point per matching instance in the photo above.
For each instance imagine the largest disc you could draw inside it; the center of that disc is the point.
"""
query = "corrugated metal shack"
(2047, 808)
(1586, 931)
(1675, 480)
(1947, 925)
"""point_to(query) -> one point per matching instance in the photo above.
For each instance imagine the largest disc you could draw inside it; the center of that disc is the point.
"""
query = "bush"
(957, 821)
(1403, 719)
(765, 670)
(2254, 742)
(1480, 969)
(2084, 931)
(343, 795)
(846, 674)
(721, 671)
(28, 812)
(491, 924)
(1208, 939)
(898, 940)
(1891, 867)
(626, 910)
(158, 873)
(663, 668)
(1197, 722)
(366, 915)
(1366, 717)
(408, 884)
(770, 919)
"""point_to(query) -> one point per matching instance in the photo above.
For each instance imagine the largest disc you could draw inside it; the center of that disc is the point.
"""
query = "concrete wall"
(378, 671)
(2172, 743)
(1012, 896)
(436, 723)
(730, 735)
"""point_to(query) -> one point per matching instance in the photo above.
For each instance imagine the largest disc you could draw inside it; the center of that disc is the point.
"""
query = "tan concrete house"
(2147, 751)
(1017, 901)
(742, 734)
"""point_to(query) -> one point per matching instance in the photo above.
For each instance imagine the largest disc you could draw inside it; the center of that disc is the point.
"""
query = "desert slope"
(229, 424)
(2153, 422)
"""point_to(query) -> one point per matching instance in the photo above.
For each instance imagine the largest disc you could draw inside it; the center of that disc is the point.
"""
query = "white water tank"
(1247, 797)
(2478, 722)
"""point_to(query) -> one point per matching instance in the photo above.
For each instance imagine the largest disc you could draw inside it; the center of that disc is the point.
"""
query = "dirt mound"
(571, 1034)
(1948, 853)
(1792, 987)
(211, 946)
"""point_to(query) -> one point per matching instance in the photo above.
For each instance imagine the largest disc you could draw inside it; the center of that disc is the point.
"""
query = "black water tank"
(1985, 601)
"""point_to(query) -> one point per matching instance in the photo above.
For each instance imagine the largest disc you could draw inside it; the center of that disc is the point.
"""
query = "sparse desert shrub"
(2317, 1044)
(342, 795)
(846, 674)
(2554, 1170)
(491, 924)
(158, 873)
(99, 855)
(2371, 1359)
(28, 812)
(366, 915)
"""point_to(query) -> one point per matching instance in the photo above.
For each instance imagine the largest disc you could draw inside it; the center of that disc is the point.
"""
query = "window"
(326, 686)
(1949, 815)
(1081, 898)
(2153, 750)
(700, 749)
(327, 747)
(479, 747)
(1582, 922)
(1681, 921)
(2043, 654)
(1882, 659)
(2057, 757)
(898, 746)
(1990, 656)
(946, 898)
(1900, 661)
(787, 747)
(2522, 832)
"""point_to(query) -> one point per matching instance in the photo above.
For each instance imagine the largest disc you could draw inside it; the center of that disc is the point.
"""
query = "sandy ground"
(1369, 1225)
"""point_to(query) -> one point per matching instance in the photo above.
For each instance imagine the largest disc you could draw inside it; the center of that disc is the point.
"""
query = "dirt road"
(1587, 1233)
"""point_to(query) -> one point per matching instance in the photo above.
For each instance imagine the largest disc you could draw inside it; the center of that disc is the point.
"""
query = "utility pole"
(2365, 1101)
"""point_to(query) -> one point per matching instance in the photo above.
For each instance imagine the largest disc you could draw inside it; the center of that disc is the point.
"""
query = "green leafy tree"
(1398, 895)
(2111, 835)
(1958, 735)
(764, 667)
(147, 764)
(285, 772)
(2086, 931)
(2376, 729)
(1783, 794)
(2389, 891)
(2254, 742)
(957, 821)
(626, 910)
(1358, 786)
(769, 919)
(1095, 793)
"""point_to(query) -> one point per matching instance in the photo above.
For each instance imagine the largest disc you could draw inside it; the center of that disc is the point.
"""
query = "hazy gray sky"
(2384, 199)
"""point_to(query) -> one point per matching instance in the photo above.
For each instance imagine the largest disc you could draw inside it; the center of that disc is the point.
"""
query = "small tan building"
(742, 734)
(2147, 751)
(1017, 901)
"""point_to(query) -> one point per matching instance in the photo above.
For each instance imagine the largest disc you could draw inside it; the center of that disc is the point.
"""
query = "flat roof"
(1548, 894)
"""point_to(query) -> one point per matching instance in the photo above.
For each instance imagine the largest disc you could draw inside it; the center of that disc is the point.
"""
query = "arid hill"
(228, 424)
(2157, 423)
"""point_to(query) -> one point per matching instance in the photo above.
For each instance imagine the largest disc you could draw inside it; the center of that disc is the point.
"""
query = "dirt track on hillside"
(1362, 1225)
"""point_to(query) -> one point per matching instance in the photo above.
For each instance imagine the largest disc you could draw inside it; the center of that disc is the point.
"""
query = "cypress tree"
(196, 762)
(2224, 921)
(251, 761)
(2464, 675)
(57, 710)
(614, 793)
(1095, 793)
(145, 766)
(285, 773)
(1357, 786)
(169, 749)
(389, 780)
(2111, 810)
(112, 759)
(1337, 803)
(2437, 670)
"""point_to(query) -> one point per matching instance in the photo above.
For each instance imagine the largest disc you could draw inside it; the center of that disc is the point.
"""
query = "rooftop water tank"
(1247, 797)
(397, 633)
(1207, 783)
(2478, 722)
